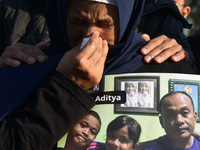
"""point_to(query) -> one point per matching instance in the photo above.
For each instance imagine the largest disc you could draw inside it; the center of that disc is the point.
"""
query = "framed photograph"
(142, 94)
(190, 87)
(97, 88)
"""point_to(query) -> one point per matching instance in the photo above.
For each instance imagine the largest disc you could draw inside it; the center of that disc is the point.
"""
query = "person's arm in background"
(161, 48)
(51, 112)
(158, 49)
(55, 107)
(14, 55)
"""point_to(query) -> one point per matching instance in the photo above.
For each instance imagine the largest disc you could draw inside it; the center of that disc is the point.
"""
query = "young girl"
(131, 95)
(144, 95)
(122, 133)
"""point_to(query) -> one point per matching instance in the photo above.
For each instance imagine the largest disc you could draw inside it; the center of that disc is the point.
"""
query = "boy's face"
(85, 18)
(84, 131)
(184, 10)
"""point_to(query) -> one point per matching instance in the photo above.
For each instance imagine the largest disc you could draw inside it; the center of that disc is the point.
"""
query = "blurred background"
(194, 17)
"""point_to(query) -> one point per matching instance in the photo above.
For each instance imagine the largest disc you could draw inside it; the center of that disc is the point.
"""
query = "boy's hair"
(170, 94)
(188, 2)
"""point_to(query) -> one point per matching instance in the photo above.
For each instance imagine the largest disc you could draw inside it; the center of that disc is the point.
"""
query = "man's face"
(130, 88)
(85, 17)
(144, 88)
(184, 10)
(178, 117)
(180, 4)
(84, 132)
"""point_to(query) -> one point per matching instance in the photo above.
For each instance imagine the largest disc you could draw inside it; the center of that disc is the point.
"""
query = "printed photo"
(142, 94)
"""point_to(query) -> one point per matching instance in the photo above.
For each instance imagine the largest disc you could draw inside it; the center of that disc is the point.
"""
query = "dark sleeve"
(167, 67)
(1, 28)
(50, 113)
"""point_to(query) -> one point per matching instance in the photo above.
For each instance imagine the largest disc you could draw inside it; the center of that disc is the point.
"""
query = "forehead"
(91, 6)
(177, 101)
(122, 132)
(91, 120)
(179, 1)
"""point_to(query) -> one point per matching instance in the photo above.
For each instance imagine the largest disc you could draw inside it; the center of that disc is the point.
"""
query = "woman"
(83, 133)
(122, 134)
(124, 47)
(131, 95)
(144, 95)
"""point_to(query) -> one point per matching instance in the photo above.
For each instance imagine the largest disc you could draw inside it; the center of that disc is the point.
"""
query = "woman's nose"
(91, 29)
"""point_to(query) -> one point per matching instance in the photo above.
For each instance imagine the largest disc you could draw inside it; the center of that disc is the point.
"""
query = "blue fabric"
(96, 146)
(163, 143)
(17, 85)
(123, 57)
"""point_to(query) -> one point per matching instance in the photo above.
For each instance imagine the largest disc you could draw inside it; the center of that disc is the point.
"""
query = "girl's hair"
(134, 128)
(95, 114)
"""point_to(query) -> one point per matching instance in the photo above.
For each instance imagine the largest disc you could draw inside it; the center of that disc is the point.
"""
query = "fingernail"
(158, 58)
(16, 63)
(147, 58)
(174, 58)
(31, 60)
(144, 50)
(41, 58)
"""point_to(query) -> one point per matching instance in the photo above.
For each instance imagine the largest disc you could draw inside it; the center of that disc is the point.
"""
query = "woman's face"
(144, 88)
(130, 88)
(85, 17)
(119, 140)
(84, 132)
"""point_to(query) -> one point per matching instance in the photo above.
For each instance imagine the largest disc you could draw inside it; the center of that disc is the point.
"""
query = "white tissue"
(84, 42)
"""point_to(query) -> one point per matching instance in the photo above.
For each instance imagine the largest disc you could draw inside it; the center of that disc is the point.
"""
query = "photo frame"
(190, 87)
(97, 88)
(142, 94)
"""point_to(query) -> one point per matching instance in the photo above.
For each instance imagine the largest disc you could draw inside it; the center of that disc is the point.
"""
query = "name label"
(114, 97)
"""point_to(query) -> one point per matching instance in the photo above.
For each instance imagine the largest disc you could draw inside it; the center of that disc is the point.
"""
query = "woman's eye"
(104, 24)
(77, 22)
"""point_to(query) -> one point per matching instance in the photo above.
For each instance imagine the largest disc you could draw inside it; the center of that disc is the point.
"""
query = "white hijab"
(111, 2)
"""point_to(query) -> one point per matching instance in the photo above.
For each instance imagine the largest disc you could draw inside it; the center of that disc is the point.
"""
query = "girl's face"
(84, 132)
(119, 140)
(144, 88)
(130, 88)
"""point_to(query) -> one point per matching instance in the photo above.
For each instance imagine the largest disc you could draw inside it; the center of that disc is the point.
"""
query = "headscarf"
(111, 2)
(18, 84)
(123, 57)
